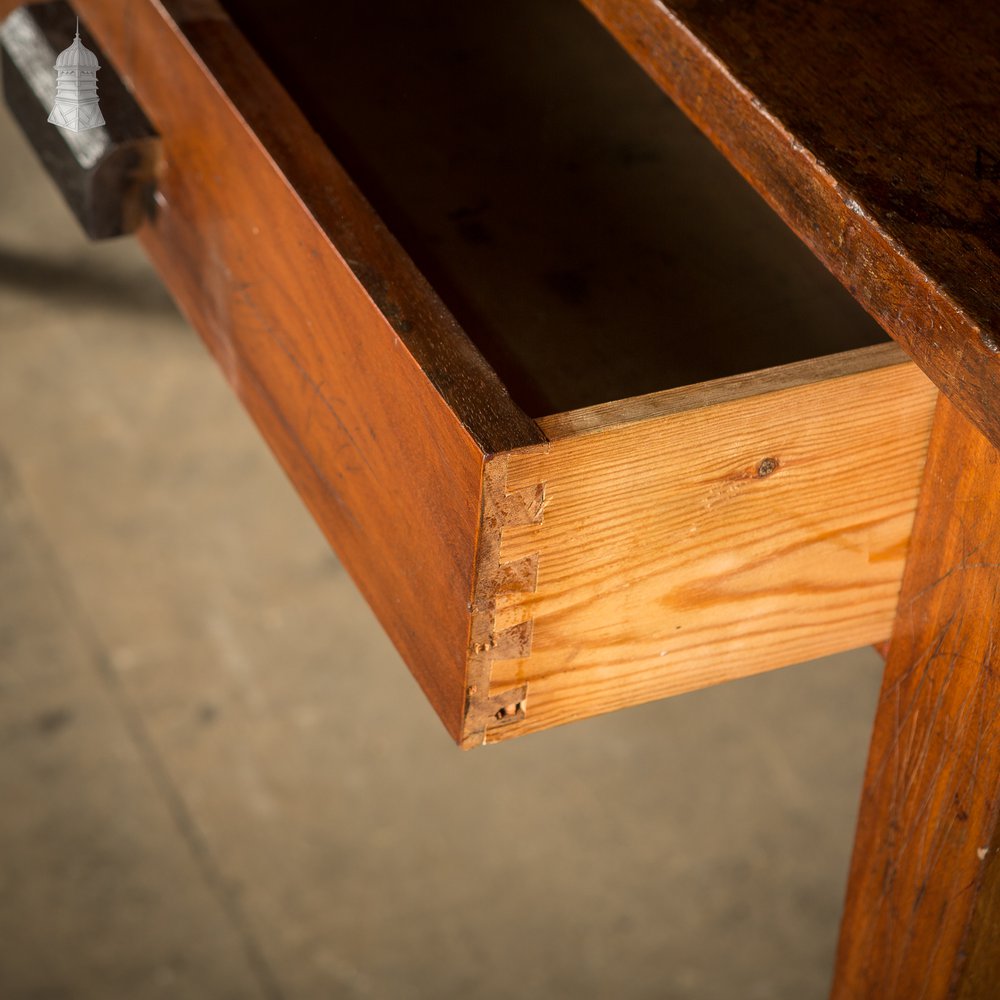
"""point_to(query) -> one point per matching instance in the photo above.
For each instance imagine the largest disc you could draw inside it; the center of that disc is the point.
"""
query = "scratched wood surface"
(723, 537)
(924, 894)
(376, 404)
(872, 129)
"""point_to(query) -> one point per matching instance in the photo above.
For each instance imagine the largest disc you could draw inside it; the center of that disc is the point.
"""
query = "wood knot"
(766, 467)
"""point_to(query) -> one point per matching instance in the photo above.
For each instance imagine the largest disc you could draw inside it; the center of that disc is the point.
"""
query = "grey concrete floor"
(218, 780)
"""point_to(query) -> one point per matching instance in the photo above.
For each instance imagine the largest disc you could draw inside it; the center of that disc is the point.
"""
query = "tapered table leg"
(922, 916)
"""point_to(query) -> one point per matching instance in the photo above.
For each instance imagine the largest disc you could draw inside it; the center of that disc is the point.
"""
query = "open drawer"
(585, 422)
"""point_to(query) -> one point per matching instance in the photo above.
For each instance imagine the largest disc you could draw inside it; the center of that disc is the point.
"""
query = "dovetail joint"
(500, 510)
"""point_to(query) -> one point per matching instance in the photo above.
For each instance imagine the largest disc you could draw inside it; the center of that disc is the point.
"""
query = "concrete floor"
(218, 780)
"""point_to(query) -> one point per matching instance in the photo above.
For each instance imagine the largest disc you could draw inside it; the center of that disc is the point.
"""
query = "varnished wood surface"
(589, 239)
(872, 129)
(752, 531)
(923, 901)
(375, 403)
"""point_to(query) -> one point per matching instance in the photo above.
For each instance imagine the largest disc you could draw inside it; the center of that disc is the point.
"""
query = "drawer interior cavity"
(590, 241)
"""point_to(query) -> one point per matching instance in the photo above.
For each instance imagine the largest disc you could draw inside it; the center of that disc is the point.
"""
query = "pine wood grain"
(871, 129)
(376, 404)
(712, 541)
(923, 902)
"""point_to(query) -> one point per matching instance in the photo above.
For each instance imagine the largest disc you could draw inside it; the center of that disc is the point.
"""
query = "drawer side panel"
(376, 406)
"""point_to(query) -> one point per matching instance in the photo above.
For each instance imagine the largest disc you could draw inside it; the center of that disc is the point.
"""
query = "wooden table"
(442, 298)
(874, 131)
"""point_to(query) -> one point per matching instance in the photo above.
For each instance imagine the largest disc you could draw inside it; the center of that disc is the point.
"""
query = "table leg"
(922, 916)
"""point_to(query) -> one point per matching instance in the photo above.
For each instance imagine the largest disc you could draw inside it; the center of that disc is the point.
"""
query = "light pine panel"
(716, 541)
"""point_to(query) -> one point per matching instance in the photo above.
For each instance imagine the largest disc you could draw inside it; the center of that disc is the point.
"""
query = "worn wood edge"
(611, 686)
(719, 391)
(487, 710)
(825, 215)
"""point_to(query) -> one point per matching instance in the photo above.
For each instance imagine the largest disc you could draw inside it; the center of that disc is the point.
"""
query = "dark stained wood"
(590, 240)
(981, 972)
(921, 917)
(105, 175)
(377, 406)
(872, 129)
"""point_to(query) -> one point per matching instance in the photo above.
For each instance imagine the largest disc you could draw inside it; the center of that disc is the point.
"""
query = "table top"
(873, 130)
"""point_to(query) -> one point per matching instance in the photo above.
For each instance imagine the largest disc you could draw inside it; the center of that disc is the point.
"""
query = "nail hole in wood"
(509, 711)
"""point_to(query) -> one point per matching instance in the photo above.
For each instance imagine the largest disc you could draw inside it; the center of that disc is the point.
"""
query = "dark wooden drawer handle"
(107, 174)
